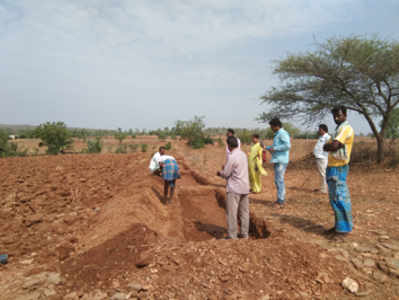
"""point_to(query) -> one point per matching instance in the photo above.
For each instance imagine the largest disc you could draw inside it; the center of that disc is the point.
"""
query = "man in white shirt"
(155, 160)
(322, 156)
(230, 132)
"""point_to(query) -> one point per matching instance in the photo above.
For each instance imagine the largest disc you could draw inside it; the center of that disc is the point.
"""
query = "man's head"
(339, 114)
(230, 132)
(275, 124)
(162, 150)
(255, 138)
(232, 143)
(323, 129)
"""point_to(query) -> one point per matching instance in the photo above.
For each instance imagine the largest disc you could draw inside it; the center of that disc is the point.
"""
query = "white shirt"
(154, 162)
(318, 148)
(239, 147)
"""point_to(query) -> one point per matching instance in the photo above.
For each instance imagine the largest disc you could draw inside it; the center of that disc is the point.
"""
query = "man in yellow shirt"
(340, 148)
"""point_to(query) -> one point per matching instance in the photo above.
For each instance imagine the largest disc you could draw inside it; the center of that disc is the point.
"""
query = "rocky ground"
(96, 227)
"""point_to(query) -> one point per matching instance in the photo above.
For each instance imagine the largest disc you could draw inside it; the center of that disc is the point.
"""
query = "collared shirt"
(154, 162)
(227, 147)
(281, 147)
(345, 135)
(236, 173)
(318, 148)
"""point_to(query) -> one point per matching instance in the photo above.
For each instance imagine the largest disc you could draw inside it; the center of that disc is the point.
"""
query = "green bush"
(220, 143)
(8, 149)
(55, 136)
(122, 149)
(120, 135)
(192, 132)
(94, 146)
(133, 147)
(168, 146)
(162, 135)
(144, 147)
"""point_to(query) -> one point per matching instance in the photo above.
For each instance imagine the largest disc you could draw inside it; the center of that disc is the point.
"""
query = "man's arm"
(333, 146)
(286, 144)
(228, 169)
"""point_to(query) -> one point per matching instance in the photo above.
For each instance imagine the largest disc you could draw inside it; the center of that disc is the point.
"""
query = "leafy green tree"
(3, 141)
(120, 135)
(55, 135)
(392, 131)
(193, 132)
(360, 73)
(94, 146)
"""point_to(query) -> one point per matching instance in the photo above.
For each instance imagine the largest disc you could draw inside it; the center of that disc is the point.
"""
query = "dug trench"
(123, 235)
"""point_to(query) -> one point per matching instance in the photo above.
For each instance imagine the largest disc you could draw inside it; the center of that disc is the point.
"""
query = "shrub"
(162, 135)
(55, 136)
(219, 141)
(208, 140)
(192, 131)
(122, 149)
(133, 147)
(9, 149)
(168, 146)
(120, 135)
(94, 146)
(144, 147)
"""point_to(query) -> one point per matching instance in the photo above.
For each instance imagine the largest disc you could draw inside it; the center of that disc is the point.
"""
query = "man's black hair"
(324, 127)
(231, 130)
(162, 148)
(275, 122)
(255, 135)
(339, 108)
(232, 142)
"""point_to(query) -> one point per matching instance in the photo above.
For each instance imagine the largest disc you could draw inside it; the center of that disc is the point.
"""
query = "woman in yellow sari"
(255, 164)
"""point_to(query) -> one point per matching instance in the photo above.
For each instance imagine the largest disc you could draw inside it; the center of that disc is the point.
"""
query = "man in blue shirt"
(280, 151)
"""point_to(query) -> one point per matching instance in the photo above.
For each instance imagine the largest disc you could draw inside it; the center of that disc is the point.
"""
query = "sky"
(147, 64)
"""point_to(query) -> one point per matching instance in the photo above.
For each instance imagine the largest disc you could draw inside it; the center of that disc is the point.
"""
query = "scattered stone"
(363, 294)
(357, 263)
(350, 285)
(71, 296)
(119, 296)
(138, 287)
(33, 219)
(323, 277)
(48, 292)
(54, 278)
(96, 295)
(380, 277)
(369, 263)
(265, 297)
(27, 261)
(392, 246)
(366, 249)
(390, 266)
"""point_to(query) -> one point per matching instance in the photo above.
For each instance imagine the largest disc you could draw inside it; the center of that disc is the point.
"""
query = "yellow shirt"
(345, 135)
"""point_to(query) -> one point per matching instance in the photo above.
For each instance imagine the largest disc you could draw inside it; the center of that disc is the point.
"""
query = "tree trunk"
(380, 148)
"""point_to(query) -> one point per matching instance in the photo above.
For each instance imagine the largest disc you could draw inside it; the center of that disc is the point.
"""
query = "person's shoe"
(278, 204)
(330, 231)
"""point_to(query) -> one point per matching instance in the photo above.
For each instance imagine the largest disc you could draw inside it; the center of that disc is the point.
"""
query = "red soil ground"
(100, 224)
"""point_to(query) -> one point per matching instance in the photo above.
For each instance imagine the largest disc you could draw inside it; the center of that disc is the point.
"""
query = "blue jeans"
(279, 172)
(340, 198)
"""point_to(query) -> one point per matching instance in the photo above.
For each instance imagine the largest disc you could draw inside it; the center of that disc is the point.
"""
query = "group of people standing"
(332, 154)
(243, 173)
